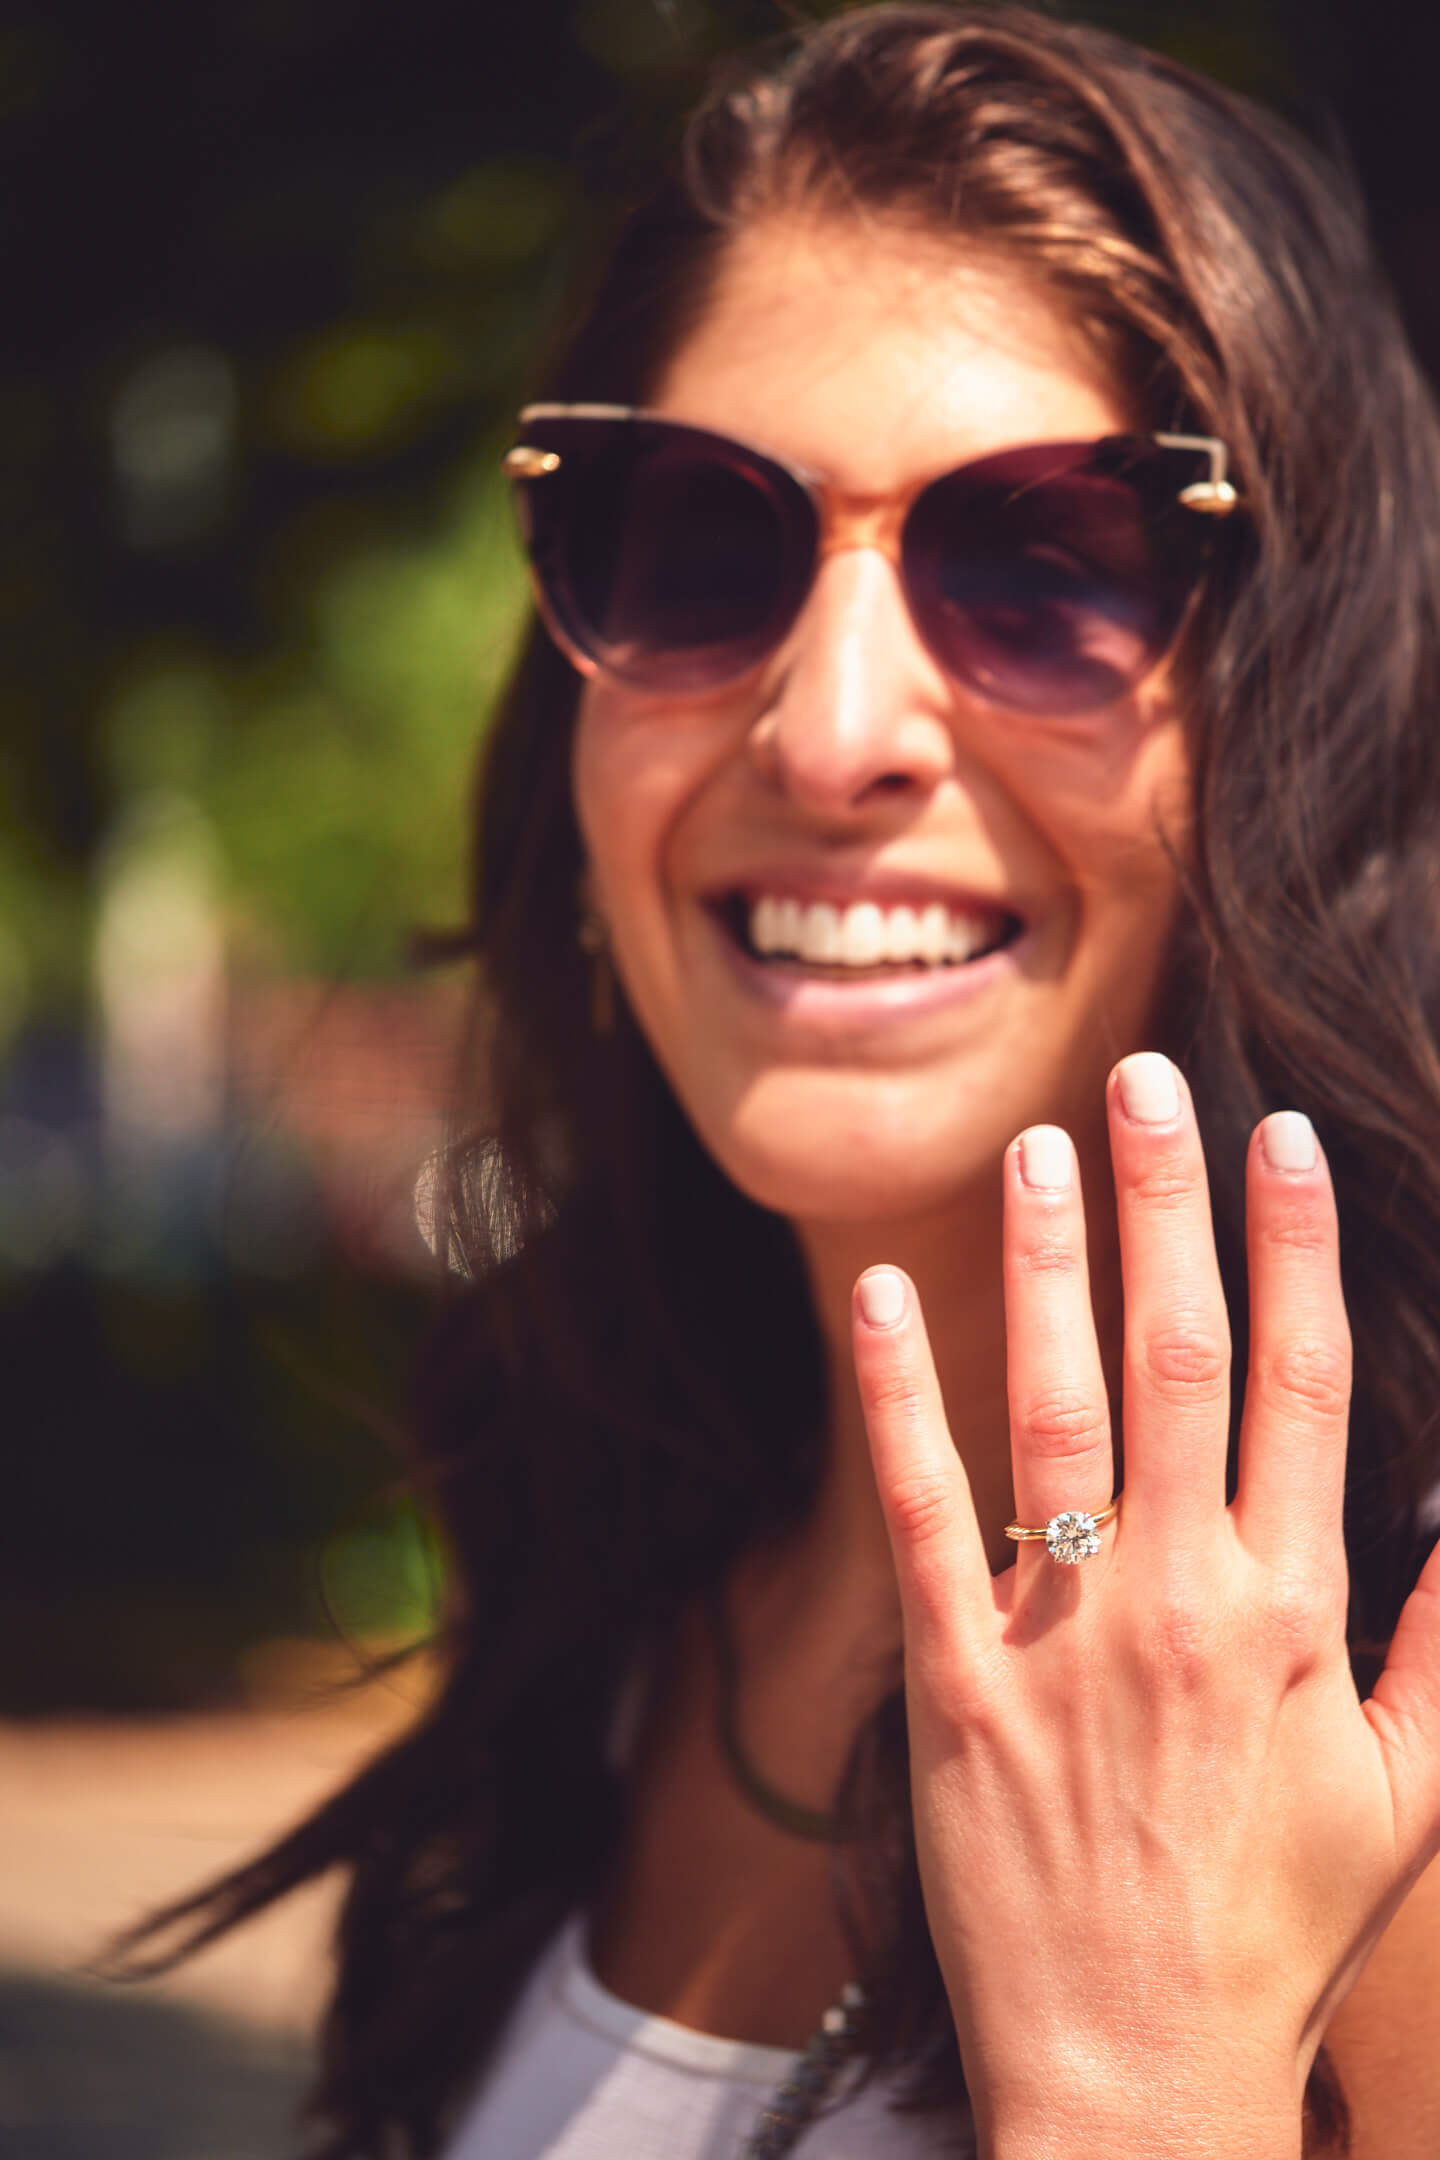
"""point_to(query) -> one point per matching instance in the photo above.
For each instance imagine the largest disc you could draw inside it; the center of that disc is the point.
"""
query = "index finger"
(924, 1493)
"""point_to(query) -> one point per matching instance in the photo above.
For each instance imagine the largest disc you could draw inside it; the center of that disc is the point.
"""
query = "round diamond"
(1071, 1536)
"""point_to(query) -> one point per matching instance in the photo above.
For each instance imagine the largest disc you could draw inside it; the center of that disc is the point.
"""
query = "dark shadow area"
(95, 2074)
(188, 1450)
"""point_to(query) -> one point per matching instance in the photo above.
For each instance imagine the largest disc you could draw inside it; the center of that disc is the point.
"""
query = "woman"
(990, 696)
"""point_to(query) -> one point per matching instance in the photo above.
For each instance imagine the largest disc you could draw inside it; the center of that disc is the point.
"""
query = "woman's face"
(851, 770)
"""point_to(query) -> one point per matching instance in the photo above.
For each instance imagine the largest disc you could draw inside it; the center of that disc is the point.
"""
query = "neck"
(956, 1270)
(954, 1260)
(816, 1617)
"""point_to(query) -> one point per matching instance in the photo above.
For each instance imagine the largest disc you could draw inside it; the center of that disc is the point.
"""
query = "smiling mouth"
(865, 939)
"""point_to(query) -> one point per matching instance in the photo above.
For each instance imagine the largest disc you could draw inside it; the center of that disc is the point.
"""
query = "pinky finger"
(940, 1564)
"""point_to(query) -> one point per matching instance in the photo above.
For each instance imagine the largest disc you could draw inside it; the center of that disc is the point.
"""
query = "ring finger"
(1060, 1444)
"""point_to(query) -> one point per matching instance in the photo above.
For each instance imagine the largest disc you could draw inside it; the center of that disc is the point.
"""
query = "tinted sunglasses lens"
(671, 558)
(1051, 581)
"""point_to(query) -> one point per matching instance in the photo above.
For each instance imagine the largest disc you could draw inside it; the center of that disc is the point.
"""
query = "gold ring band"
(1072, 1535)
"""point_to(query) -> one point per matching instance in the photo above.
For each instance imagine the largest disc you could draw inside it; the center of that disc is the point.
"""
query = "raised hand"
(1158, 1831)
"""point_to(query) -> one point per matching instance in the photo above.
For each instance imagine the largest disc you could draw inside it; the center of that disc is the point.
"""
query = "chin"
(842, 1147)
(812, 1176)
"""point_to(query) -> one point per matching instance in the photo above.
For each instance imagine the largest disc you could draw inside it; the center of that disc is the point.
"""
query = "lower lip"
(829, 1001)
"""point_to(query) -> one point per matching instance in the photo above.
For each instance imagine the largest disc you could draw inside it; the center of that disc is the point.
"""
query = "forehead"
(875, 354)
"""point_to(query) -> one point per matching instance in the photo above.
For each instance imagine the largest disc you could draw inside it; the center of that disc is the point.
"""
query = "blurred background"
(275, 275)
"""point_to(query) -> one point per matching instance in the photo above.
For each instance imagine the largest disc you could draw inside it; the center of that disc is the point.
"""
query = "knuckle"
(896, 1395)
(1178, 1645)
(1166, 1182)
(920, 1508)
(1186, 1359)
(1040, 1258)
(1064, 1424)
(1303, 1230)
(1297, 1619)
(979, 1713)
(1312, 1373)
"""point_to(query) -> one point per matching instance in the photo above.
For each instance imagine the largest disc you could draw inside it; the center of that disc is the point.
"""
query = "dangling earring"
(593, 938)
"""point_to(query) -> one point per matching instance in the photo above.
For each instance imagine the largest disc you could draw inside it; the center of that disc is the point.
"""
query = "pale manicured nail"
(1046, 1158)
(1288, 1139)
(882, 1297)
(1148, 1089)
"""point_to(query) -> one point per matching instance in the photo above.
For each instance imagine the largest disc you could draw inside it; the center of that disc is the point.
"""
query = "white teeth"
(765, 932)
(902, 941)
(818, 933)
(864, 935)
(962, 938)
(934, 934)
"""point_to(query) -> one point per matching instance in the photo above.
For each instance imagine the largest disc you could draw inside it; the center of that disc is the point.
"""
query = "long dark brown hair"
(597, 1429)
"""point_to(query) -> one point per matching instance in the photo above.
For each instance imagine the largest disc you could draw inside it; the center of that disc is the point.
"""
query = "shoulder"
(1385, 2038)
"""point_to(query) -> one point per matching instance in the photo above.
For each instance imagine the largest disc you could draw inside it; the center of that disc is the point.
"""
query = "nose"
(860, 711)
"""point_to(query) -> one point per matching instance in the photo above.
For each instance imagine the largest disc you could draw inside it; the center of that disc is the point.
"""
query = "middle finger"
(1177, 1335)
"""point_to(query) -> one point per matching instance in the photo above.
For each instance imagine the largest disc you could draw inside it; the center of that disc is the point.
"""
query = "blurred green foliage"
(383, 1580)
(280, 274)
(277, 273)
(335, 773)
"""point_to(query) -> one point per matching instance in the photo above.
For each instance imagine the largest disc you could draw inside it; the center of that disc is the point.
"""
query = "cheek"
(1121, 816)
(593, 779)
(636, 772)
(1122, 831)
(615, 789)
(642, 772)
(1132, 896)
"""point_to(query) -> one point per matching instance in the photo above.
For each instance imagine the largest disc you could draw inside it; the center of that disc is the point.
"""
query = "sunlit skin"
(852, 764)
(851, 761)
(1171, 1730)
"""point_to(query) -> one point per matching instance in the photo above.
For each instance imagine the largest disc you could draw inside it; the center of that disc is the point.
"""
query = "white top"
(580, 2075)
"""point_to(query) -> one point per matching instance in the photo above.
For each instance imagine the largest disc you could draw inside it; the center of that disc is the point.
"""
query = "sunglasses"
(1049, 578)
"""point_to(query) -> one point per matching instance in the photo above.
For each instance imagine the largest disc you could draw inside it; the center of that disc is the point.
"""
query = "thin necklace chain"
(767, 1800)
(798, 2099)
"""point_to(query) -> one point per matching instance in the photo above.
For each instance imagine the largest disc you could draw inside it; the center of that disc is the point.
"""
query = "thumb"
(1404, 1713)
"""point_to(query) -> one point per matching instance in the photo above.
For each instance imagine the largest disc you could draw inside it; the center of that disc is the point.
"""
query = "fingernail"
(1046, 1158)
(1288, 1139)
(1148, 1089)
(882, 1296)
